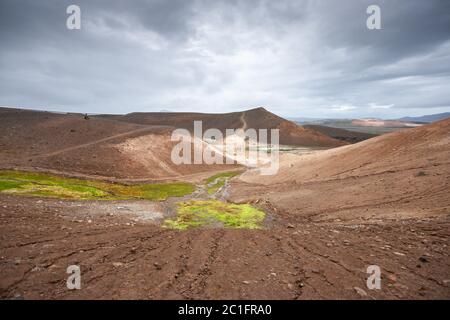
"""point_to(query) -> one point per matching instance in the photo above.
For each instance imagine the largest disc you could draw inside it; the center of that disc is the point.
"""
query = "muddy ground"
(125, 254)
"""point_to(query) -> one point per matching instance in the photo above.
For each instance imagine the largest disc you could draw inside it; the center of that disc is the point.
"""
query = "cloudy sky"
(297, 58)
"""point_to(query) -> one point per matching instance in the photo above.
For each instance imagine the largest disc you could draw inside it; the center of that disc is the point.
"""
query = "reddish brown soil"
(399, 179)
(292, 258)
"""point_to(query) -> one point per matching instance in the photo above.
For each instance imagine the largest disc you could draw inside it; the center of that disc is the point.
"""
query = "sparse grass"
(45, 185)
(196, 213)
(217, 181)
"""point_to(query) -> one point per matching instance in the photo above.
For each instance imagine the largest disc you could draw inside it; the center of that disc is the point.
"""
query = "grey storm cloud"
(297, 58)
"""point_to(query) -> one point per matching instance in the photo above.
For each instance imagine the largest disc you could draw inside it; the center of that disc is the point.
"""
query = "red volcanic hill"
(132, 146)
(258, 118)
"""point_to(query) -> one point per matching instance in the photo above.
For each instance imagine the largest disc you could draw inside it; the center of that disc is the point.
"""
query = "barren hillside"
(69, 144)
(133, 146)
(402, 174)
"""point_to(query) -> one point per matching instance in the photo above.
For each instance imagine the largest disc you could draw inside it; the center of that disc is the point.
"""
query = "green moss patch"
(217, 181)
(197, 213)
(8, 184)
(45, 185)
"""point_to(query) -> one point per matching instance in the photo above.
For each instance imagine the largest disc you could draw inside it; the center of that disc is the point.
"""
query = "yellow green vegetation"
(217, 181)
(45, 185)
(196, 213)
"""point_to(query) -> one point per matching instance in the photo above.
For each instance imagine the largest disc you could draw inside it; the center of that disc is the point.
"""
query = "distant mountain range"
(371, 125)
(424, 119)
(427, 118)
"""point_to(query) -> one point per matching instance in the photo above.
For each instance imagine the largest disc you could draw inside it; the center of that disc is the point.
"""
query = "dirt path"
(244, 123)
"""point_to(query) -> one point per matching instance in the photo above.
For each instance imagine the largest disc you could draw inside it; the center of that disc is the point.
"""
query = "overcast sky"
(297, 58)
